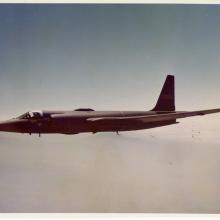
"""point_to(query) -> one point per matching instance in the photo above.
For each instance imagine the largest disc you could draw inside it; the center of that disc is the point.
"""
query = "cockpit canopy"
(32, 114)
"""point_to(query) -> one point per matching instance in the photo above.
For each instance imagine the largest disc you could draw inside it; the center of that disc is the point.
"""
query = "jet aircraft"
(88, 120)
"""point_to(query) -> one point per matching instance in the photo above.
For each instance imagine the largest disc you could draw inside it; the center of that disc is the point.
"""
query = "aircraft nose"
(10, 126)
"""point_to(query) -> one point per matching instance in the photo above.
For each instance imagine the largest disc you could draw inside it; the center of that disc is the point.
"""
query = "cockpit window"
(24, 116)
(33, 114)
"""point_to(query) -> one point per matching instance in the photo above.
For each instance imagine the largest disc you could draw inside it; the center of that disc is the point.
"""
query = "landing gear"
(39, 134)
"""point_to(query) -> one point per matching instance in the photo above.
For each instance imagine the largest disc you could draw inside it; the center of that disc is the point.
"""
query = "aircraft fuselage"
(73, 122)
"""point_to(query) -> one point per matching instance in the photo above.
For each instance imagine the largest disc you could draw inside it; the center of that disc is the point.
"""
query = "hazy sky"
(110, 57)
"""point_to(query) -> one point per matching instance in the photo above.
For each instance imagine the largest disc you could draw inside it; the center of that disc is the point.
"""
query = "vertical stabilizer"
(166, 100)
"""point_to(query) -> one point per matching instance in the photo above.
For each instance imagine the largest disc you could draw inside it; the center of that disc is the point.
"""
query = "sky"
(110, 57)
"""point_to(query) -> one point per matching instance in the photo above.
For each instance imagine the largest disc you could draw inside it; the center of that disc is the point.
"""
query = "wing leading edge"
(157, 117)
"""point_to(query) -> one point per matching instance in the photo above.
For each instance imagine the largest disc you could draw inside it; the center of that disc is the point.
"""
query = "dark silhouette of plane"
(88, 120)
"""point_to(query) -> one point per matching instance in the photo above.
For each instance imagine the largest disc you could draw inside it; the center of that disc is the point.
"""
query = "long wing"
(158, 117)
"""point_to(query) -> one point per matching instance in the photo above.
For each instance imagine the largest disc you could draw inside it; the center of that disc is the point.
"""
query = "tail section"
(166, 100)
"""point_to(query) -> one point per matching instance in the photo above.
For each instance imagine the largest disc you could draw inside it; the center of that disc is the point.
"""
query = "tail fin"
(166, 100)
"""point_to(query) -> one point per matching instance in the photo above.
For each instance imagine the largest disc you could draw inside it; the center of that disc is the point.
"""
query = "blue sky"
(110, 57)
(105, 56)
